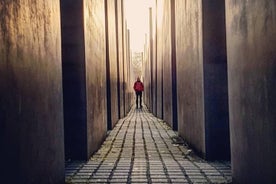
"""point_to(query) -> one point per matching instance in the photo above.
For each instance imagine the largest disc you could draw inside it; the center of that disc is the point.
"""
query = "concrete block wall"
(216, 117)
(73, 71)
(173, 68)
(165, 59)
(147, 66)
(120, 56)
(153, 52)
(53, 85)
(124, 66)
(129, 80)
(251, 39)
(150, 62)
(191, 73)
(189, 61)
(162, 59)
(31, 108)
(95, 71)
(112, 69)
(84, 80)
(125, 70)
(202, 77)
(159, 60)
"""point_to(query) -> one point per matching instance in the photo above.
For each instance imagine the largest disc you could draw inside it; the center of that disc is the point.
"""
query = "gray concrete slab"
(141, 135)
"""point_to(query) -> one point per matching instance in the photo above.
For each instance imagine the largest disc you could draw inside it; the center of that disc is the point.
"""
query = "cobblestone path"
(143, 149)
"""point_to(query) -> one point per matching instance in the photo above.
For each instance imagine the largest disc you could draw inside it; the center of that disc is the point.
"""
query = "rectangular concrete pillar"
(154, 59)
(166, 66)
(31, 109)
(120, 56)
(111, 63)
(216, 117)
(202, 77)
(189, 73)
(126, 63)
(149, 64)
(130, 79)
(159, 60)
(166, 57)
(129, 93)
(73, 66)
(173, 69)
(95, 61)
(146, 74)
(84, 78)
(251, 54)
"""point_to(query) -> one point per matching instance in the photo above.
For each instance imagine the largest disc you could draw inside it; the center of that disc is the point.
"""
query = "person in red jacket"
(139, 88)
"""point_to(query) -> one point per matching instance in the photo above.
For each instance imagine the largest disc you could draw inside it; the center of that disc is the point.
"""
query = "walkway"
(143, 149)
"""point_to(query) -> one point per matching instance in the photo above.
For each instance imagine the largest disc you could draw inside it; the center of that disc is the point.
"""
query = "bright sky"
(137, 15)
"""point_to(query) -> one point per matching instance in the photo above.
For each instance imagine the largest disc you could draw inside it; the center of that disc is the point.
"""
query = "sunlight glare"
(137, 16)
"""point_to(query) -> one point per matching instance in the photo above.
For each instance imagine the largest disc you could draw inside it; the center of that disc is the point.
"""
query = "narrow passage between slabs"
(144, 149)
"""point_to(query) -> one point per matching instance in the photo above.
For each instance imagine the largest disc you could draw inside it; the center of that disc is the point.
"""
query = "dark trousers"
(138, 97)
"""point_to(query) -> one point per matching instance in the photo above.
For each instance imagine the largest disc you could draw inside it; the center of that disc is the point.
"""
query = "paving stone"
(158, 180)
(158, 176)
(155, 157)
(118, 180)
(84, 174)
(217, 180)
(79, 180)
(157, 172)
(197, 177)
(200, 180)
(85, 177)
(98, 181)
(179, 180)
(119, 176)
(139, 180)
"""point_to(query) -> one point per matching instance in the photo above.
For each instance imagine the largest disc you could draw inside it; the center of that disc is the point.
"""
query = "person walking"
(139, 88)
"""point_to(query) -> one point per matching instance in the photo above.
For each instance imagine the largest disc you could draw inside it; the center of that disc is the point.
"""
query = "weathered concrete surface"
(147, 70)
(31, 112)
(150, 63)
(154, 61)
(73, 70)
(251, 39)
(112, 80)
(95, 57)
(159, 61)
(202, 77)
(160, 58)
(83, 76)
(165, 52)
(120, 57)
(129, 93)
(173, 64)
(217, 138)
(126, 67)
(190, 73)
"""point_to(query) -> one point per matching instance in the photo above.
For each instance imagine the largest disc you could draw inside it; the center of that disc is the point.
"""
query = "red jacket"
(138, 86)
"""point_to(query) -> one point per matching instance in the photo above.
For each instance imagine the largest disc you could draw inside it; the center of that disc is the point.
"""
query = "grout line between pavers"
(119, 156)
(223, 175)
(159, 154)
(133, 151)
(110, 148)
(172, 155)
(146, 152)
(200, 170)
